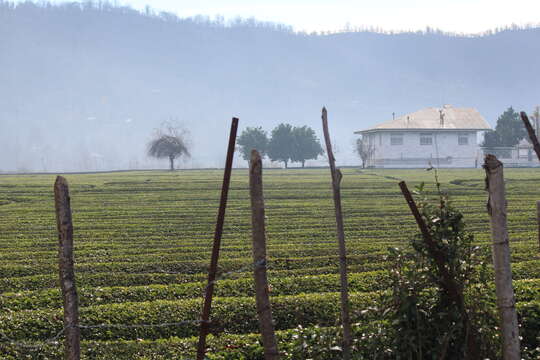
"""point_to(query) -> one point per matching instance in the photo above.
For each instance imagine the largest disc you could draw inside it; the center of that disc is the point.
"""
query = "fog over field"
(82, 87)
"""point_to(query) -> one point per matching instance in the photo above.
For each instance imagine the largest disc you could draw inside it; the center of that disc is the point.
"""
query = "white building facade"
(441, 137)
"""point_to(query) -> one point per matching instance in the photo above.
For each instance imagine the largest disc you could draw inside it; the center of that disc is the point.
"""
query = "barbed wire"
(31, 345)
(37, 345)
(53, 340)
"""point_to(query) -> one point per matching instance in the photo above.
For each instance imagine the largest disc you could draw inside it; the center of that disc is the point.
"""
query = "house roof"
(445, 118)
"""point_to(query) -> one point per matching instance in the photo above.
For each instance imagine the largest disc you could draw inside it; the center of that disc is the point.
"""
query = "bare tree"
(170, 141)
(365, 150)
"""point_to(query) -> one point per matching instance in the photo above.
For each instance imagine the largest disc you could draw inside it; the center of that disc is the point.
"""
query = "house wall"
(444, 150)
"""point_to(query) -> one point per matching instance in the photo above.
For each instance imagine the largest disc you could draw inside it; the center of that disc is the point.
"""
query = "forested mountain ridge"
(83, 86)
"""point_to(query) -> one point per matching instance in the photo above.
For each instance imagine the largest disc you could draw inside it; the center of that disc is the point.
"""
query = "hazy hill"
(82, 87)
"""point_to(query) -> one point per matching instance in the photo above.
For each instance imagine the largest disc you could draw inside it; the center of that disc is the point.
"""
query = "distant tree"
(364, 150)
(281, 145)
(306, 145)
(169, 142)
(253, 138)
(508, 131)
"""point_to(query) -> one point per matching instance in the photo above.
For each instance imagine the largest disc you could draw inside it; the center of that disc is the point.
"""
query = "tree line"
(286, 143)
(298, 144)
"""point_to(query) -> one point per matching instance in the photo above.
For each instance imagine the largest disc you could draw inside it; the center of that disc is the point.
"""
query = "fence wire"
(37, 345)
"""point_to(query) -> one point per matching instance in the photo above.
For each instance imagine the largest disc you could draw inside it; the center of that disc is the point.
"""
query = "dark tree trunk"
(171, 161)
(285, 164)
(303, 163)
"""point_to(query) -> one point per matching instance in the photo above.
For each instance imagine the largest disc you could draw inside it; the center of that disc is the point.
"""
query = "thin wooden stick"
(532, 135)
(72, 349)
(506, 302)
(264, 309)
(209, 291)
(336, 183)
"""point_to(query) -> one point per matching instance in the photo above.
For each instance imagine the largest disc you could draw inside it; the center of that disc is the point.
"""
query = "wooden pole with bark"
(264, 309)
(496, 206)
(531, 133)
(209, 290)
(64, 224)
(336, 184)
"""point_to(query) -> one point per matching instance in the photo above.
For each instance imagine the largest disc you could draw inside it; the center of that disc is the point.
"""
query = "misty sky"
(461, 16)
(103, 79)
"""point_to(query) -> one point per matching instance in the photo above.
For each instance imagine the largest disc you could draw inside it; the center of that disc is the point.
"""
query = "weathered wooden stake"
(209, 291)
(531, 133)
(506, 302)
(67, 274)
(264, 309)
(336, 183)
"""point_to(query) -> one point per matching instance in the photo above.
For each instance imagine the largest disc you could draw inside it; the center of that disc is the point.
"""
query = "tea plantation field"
(142, 248)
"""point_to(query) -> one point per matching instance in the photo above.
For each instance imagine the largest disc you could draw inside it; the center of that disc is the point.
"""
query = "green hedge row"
(522, 270)
(230, 315)
(526, 290)
(316, 343)
(186, 255)
(108, 279)
(358, 282)
(195, 251)
(117, 252)
(189, 267)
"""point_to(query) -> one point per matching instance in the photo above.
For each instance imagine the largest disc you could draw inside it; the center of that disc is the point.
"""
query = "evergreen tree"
(508, 131)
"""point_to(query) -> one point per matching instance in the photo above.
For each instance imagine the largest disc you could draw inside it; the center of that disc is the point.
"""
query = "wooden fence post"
(264, 309)
(209, 290)
(506, 302)
(72, 349)
(336, 183)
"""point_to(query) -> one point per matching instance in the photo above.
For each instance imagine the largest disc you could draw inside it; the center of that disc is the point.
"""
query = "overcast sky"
(462, 16)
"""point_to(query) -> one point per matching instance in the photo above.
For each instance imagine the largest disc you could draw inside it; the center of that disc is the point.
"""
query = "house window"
(463, 139)
(396, 139)
(426, 139)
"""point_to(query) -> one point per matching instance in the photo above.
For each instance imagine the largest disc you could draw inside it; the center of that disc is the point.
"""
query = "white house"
(443, 137)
